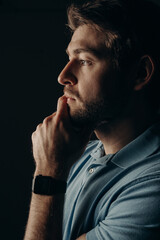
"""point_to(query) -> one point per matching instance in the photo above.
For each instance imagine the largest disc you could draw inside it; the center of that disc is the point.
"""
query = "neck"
(117, 134)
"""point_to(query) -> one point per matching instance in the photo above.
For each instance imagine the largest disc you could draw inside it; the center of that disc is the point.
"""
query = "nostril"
(67, 79)
(66, 82)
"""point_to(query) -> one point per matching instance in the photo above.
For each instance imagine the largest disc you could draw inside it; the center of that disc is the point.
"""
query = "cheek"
(111, 84)
(89, 90)
(95, 83)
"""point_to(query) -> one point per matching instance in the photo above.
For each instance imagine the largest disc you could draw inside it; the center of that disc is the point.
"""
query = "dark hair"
(131, 27)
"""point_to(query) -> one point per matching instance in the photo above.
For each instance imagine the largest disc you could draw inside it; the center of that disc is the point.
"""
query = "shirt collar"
(98, 152)
(99, 156)
(140, 148)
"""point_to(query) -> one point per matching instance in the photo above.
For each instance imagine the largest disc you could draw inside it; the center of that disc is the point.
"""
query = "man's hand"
(56, 144)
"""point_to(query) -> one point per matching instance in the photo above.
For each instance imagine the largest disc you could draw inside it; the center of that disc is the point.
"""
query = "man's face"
(92, 85)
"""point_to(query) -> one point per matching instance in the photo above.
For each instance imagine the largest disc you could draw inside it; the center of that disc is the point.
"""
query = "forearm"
(56, 147)
(45, 218)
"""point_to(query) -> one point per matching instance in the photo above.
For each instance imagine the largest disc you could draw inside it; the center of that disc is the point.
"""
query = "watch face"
(46, 185)
(43, 185)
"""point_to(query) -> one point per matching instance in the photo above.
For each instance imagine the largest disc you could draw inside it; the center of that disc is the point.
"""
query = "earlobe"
(144, 73)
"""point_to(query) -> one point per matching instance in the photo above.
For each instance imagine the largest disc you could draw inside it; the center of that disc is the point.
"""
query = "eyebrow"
(93, 51)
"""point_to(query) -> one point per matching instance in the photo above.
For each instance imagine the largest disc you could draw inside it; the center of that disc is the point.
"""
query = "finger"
(39, 125)
(62, 108)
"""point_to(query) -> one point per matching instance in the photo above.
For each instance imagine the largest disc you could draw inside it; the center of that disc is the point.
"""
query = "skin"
(90, 70)
(62, 138)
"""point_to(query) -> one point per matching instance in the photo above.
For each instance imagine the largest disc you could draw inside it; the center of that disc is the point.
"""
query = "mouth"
(69, 98)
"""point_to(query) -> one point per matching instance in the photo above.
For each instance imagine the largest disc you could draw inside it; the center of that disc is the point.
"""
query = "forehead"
(87, 36)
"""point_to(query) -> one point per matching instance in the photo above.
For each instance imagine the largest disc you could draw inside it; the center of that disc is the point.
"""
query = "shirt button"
(91, 170)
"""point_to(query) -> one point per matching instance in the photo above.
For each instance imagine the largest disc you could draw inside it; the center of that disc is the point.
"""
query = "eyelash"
(85, 63)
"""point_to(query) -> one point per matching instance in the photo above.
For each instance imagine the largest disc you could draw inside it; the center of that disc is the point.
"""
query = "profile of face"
(93, 86)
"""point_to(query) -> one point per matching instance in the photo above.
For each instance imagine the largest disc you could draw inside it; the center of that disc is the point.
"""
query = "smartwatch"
(46, 185)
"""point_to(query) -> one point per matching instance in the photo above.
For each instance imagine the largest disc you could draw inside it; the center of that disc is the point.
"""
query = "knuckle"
(45, 121)
(60, 99)
(49, 118)
(39, 125)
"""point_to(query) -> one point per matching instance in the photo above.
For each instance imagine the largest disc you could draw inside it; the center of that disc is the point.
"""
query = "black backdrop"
(32, 53)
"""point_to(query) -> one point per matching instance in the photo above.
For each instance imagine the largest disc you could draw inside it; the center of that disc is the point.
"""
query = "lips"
(71, 95)
(69, 99)
(68, 96)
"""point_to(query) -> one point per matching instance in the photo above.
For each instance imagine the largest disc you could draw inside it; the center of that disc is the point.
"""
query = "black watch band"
(46, 185)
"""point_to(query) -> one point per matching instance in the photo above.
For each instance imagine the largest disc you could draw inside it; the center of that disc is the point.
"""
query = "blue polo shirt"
(116, 197)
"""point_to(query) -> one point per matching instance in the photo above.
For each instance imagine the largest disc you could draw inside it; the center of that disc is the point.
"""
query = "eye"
(85, 63)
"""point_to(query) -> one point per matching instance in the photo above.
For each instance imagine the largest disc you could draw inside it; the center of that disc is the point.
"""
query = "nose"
(67, 77)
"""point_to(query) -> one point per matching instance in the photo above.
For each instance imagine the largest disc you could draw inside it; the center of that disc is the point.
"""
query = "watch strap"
(46, 185)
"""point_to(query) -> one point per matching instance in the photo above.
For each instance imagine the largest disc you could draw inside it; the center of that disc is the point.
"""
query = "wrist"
(46, 185)
(58, 172)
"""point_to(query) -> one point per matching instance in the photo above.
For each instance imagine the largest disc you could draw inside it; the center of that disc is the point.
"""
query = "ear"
(144, 72)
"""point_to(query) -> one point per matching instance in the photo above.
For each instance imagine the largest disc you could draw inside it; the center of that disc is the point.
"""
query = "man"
(110, 87)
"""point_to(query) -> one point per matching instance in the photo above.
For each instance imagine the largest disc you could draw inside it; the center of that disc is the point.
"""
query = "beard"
(91, 114)
(97, 111)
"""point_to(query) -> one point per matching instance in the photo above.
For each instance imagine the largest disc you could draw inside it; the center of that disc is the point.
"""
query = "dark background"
(33, 39)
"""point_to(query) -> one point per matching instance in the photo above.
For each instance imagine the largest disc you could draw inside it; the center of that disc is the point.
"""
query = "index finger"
(62, 108)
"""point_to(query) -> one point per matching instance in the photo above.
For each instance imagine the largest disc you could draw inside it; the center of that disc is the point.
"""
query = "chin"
(93, 114)
(78, 121)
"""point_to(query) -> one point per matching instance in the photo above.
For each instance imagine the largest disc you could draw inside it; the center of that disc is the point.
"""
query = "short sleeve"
(133, 215)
